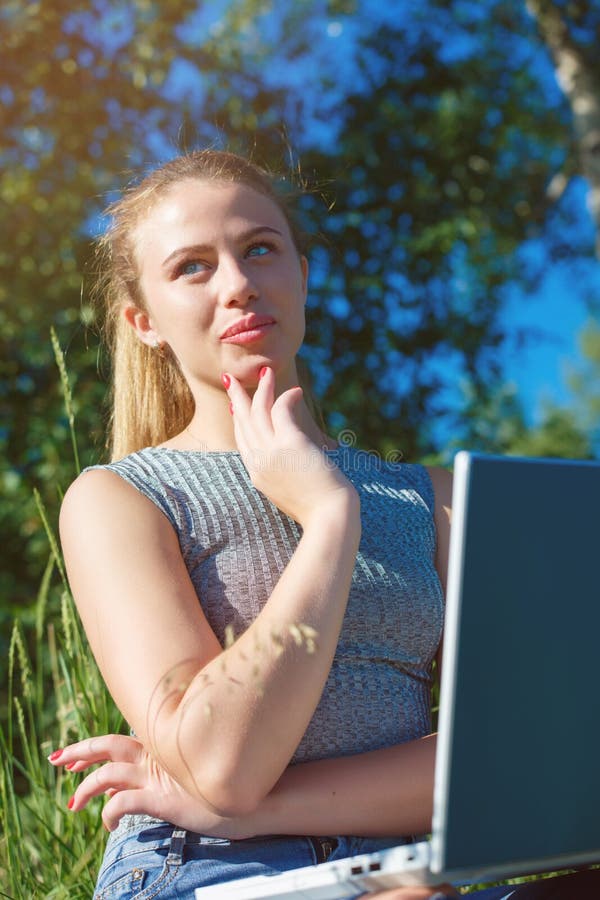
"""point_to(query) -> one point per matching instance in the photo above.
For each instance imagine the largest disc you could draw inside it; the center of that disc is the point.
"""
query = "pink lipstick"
(248, 329)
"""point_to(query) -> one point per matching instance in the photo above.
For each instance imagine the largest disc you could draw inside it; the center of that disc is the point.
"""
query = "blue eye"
(259, 250)
(192, 267)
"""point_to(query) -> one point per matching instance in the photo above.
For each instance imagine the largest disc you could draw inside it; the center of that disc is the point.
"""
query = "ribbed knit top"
(236, 543)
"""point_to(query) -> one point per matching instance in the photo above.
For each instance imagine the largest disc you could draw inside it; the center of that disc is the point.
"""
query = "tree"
(445, 159)
(571, 29)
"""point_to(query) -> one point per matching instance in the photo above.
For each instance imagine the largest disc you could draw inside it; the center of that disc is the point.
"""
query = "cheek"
(298, 323)
(292, 288)
(175, 319)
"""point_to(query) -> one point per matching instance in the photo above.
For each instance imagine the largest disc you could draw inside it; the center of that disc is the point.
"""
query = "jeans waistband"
(323, 846)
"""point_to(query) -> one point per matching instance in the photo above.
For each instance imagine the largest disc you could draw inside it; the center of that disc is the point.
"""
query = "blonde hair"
(151, 400)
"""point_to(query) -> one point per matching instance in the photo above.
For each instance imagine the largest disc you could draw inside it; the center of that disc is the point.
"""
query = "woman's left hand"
(136, 783)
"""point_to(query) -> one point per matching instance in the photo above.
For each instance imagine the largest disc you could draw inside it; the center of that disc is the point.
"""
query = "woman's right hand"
(283, 463)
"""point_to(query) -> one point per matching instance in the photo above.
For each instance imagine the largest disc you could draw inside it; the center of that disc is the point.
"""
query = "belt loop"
(323, 847)
(175, 857)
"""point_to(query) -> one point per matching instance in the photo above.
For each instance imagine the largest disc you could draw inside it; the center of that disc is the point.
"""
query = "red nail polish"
(231, 408)
(70, 765)
(226, 380)
(263, 372)
(54, 756)
(71, 802)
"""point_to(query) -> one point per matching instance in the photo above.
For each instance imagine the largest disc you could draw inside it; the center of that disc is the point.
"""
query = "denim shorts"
(146, 858)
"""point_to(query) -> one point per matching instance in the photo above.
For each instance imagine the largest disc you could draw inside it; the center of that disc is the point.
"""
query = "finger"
(285, 408)
(241, 408)
(237, 394)
(109, 777)
(263, 399)
(131, 802)
(97, 749)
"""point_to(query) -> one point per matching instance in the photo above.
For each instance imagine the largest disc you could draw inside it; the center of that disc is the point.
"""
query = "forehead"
(204, 212)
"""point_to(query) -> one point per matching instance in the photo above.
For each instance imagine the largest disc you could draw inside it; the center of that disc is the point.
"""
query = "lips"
(248, 323)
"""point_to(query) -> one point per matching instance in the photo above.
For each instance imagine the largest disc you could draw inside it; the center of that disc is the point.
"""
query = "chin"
(248, 375)
(247, 372)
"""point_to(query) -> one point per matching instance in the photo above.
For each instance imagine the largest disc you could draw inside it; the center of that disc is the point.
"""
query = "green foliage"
(55, 695)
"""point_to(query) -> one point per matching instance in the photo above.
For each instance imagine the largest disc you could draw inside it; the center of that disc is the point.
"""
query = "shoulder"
(145, 470)
(92, 483)
(100, 493)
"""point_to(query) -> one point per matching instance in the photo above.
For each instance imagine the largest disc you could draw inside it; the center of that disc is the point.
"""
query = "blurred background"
(450, 151)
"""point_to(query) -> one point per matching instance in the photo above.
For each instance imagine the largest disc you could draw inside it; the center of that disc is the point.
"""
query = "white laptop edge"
(462, 463)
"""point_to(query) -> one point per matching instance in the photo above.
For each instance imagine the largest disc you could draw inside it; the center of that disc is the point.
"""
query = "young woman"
(264, 605)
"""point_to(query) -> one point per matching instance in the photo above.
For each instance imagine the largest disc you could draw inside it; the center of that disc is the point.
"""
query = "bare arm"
(224, 734)
(384, 792)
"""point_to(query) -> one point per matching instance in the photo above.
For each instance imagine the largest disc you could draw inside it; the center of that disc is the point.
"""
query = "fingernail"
(263, 372)
(71, 802)
(54, 756)
(226, 380)
(70, 765)
(231, 408)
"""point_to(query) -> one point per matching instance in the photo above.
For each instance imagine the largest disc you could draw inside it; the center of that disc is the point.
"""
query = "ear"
(304, 270)
(141, 323)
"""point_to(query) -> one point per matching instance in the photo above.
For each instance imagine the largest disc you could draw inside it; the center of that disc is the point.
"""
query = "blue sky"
(567, 298)
(538, 369)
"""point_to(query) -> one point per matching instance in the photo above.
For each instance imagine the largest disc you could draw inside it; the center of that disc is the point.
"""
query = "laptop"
(517, 775)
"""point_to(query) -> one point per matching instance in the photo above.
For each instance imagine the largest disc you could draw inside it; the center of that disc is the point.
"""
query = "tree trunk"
(581, 85)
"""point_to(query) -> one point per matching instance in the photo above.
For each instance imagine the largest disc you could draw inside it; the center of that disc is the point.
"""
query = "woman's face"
(223, 283)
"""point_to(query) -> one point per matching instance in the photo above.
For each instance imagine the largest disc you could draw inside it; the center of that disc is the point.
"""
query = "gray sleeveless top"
(236, 543)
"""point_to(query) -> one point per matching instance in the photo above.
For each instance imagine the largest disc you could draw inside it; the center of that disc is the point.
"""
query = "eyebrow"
(202, 248)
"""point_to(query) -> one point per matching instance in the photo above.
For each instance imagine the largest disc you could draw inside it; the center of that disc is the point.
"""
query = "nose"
(236, 286)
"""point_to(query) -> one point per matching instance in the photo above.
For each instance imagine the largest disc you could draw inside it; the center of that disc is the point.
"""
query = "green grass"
(55, 695)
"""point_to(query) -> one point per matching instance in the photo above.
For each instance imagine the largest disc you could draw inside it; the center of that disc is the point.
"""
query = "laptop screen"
(519, 720)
